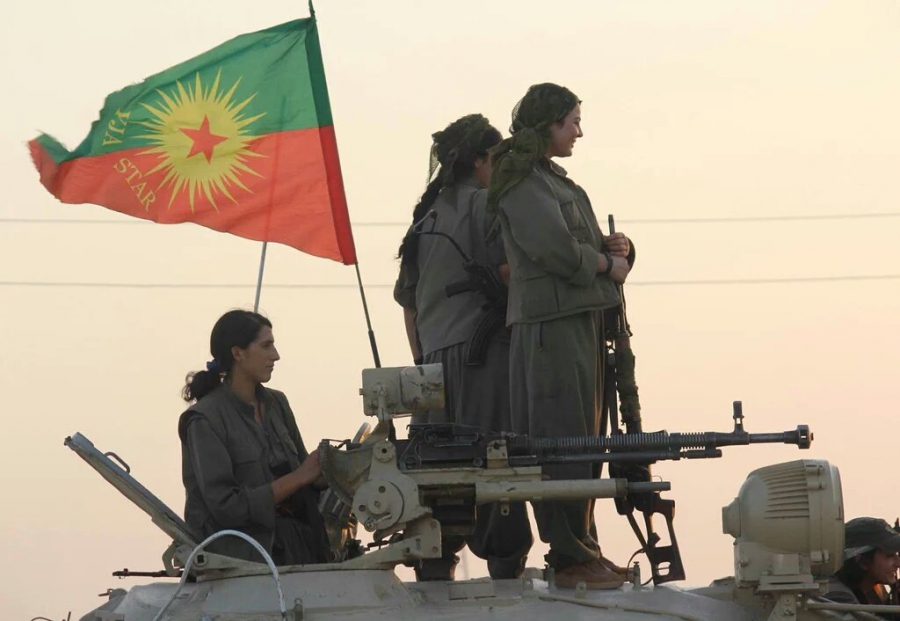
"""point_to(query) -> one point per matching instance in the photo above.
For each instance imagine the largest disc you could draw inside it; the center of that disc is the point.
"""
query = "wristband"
(418, 361)
(609, 263)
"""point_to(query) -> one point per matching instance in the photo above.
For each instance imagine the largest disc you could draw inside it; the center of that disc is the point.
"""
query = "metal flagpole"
(262, 258)
(362, 294)
(262, 266)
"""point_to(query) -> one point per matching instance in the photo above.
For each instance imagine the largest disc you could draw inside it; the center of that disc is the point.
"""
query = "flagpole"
(262, 266)
(362, 294)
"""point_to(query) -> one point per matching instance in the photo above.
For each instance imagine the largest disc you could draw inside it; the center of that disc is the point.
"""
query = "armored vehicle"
(787, 524)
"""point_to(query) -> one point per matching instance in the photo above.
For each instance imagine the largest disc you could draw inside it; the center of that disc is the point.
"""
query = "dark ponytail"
(237, 328)
(409, 247)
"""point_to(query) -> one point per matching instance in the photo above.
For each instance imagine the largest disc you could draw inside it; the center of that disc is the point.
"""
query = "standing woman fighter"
(563, 275)
(439, 327)
(244, 465)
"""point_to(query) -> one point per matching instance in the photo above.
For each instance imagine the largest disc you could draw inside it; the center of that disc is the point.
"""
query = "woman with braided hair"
(439, 327)
(563, 274)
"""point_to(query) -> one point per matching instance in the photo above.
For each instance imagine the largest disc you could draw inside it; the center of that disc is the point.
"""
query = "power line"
(740, 219)
(646, 283)
(764, 281)
(703, 220)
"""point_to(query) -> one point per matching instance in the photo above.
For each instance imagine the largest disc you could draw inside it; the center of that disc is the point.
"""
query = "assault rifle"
(620, 392)
(449, 446)
(480, 278)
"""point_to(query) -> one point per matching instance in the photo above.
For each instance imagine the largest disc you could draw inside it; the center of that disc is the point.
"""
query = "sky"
(707, 122)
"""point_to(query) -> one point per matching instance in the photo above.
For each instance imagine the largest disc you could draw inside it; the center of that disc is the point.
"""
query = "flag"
(238, 139)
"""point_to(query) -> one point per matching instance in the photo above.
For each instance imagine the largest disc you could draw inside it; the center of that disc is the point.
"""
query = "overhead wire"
(651, 221)
(697, 220)
(646, 283)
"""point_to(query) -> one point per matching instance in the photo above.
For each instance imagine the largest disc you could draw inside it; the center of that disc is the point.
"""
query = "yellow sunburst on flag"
(201, 138)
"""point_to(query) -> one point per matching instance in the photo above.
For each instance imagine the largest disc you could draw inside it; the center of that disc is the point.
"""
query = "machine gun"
(398, 487)
(444, 445)
(480, 278)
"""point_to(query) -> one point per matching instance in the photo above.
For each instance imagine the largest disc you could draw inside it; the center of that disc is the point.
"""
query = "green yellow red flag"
(238, 139)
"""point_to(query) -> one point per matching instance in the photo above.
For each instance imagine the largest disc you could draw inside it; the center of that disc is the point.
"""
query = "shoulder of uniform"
(479, 198)
(536, 177)
(190, 415)
(837, 591)
(206, 408)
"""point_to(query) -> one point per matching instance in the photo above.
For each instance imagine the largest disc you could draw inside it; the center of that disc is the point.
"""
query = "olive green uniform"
(475, 395)
(229, 462)
(556, 299)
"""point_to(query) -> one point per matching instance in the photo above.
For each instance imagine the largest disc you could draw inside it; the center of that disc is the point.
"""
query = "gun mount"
(403, 490)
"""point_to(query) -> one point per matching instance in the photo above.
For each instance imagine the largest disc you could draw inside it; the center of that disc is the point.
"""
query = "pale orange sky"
(692, 109)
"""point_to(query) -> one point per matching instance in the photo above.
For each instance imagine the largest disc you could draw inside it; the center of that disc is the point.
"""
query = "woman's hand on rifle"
(617, 244)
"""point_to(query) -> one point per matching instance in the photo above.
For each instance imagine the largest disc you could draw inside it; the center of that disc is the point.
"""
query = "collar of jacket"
(242, 406)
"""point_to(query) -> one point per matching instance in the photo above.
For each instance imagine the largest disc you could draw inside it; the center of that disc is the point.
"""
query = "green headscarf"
(513, 159)
(460, 140)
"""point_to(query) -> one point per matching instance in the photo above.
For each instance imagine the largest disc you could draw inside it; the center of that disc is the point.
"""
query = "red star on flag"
(204, 140)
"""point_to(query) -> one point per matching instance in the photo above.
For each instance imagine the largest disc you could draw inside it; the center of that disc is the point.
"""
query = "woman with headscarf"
(439, 327)
(563, 274)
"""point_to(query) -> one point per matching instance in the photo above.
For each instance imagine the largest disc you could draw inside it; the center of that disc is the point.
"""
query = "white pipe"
(210, 539)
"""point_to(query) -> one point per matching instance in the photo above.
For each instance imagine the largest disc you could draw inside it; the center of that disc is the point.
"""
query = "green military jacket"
(442, 321)
(552, 243)
(227, 466)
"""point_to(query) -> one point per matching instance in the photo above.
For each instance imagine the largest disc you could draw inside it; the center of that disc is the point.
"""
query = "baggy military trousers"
(478, 396)
(556, 389)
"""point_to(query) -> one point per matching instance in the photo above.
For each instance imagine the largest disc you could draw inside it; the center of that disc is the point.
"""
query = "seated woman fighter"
(244, 465)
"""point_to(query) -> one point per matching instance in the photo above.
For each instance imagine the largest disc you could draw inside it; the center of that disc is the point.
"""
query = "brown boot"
(593, 574)
(626, 572)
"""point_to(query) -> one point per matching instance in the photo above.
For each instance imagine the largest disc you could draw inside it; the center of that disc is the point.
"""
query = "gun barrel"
(638, 457)
(655, 441)
(801, 436)
(489, 491)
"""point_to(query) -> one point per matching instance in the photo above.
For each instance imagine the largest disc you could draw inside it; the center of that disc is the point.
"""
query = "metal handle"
(121, 461)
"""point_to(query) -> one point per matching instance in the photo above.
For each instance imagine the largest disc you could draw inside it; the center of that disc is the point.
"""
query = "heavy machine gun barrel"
(445, 444)
(668, 445)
